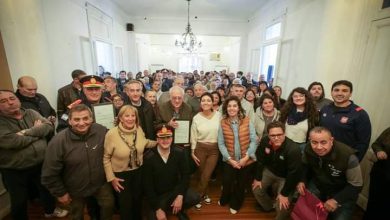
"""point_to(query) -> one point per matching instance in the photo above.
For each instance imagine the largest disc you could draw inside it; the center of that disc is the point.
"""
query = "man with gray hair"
(176, 109)
(146, 115)
(164, 97)
(194, 102)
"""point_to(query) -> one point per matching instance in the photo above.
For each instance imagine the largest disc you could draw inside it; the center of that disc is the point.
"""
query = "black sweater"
(284, 162)
(160, 177)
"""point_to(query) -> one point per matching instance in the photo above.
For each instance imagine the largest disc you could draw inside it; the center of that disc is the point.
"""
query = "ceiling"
(240, 10)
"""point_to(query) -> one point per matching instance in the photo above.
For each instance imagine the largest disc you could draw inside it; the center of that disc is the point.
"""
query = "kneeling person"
(166, 179)
(278, 162)
(335, 171)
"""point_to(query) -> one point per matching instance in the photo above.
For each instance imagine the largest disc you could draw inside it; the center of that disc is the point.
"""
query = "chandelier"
(188, 39)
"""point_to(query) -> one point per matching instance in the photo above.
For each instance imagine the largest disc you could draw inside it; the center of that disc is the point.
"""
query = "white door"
(373, 88)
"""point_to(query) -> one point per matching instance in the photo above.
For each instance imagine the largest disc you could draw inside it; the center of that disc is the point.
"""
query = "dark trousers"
(104, 198)
(343, 212)
(17, 182)
(130, 199)
(190, 199)
(233, 186)
(379, 194)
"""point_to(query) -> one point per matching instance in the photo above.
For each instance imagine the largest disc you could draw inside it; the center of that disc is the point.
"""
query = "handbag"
(309, 207)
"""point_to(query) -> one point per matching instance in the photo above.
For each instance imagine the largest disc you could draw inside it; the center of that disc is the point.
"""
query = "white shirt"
(204, 129)
(297, 132)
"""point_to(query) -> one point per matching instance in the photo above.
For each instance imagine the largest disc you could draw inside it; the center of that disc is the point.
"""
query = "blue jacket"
(349, 125)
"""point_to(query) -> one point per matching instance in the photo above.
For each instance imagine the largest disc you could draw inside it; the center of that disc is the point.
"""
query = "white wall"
(201, 27)
(47, 39)
(332, 40)
(160, 49)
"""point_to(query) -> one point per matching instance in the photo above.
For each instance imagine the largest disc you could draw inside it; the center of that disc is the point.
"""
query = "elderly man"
(23, 134)
(348, 122)
(146, 114)
(69, 93)
(179, 81)
(278, 164)
(166, 179)
(73, 168)
(332, 173)
(30, 99)
(194, 102)
(175, 108)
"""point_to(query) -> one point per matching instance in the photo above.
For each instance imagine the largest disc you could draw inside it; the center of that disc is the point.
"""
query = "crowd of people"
(240, 128)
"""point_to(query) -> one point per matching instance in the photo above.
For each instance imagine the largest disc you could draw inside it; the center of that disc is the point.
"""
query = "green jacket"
(20, 152)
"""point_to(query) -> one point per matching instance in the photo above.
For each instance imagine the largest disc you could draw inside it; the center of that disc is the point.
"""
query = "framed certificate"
(182, 132)
(104, 114)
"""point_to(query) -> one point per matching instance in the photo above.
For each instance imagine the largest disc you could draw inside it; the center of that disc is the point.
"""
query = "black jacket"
(146, 116)
(285, 162)
(161, 178)
(38, 103)
(329, 172)
(74, 164)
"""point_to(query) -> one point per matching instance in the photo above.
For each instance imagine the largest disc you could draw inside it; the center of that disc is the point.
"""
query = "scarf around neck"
(294, 117)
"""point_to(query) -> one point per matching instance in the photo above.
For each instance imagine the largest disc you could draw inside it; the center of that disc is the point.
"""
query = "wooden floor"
(212, 211)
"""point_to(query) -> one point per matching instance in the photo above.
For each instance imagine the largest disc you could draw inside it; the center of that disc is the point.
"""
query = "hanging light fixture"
(188, 39)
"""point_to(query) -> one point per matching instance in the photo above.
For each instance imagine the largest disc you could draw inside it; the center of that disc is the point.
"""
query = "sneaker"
(198, 206)
(233, 211)
(207, 199)
(58, 213)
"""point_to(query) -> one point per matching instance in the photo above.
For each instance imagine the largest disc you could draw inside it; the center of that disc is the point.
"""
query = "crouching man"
(332, 173)
(278, 164)
(166, 179)
(73, 167)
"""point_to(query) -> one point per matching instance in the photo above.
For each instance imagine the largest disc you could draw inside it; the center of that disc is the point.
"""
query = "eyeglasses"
(273, 136)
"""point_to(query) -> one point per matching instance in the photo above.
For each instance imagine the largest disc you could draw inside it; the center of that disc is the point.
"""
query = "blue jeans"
(343, 212)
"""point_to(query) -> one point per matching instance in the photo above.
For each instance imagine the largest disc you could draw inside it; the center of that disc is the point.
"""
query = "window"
(189, 63)
(273, 31)
(269, 52)
(104, 56)
(268, 61)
